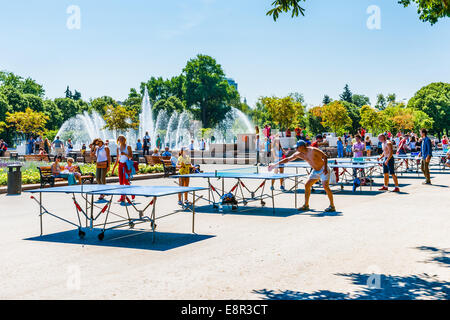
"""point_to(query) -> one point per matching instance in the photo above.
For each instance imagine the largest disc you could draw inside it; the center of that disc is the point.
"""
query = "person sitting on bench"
(57, 173)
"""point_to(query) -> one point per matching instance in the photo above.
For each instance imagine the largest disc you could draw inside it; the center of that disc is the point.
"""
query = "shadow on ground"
(131, 239)
(439, 256)
(390, 288)
(266, 211)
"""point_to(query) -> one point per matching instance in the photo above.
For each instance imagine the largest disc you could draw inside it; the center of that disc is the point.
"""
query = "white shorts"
(315, 175)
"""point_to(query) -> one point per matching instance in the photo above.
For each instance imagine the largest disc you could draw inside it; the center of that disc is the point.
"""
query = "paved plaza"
(377, 246)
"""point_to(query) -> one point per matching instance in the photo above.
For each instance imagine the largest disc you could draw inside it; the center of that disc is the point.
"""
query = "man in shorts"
(388, 163)
(320, 171)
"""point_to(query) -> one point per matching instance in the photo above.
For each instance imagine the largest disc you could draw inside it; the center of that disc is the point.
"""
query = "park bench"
(37, 157)
(48, 178)
(169, 169)
(152, 160)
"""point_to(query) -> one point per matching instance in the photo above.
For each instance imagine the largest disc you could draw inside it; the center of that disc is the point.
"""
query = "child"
(70, 168)
(348, 149)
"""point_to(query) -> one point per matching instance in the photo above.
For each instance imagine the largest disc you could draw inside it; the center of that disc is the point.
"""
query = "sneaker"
(330, 209)
(180, 203)
(272, 188)
(186, 203)
(304, 208)
(427, 182)
(383, 188)
(282, 188)
(397, 189)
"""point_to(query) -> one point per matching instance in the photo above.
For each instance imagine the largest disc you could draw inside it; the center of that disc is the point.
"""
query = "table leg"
(40, 211)
(193, 214)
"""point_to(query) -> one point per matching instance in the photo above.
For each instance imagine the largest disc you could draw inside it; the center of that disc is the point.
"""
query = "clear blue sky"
(122, 43)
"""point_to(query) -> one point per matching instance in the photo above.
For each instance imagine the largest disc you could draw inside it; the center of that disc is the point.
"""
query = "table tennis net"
(234, 171)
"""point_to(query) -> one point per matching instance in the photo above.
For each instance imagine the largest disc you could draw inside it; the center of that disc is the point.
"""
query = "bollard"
(14, 179)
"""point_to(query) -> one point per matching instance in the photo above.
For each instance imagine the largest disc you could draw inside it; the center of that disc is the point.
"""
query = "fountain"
(175, 130)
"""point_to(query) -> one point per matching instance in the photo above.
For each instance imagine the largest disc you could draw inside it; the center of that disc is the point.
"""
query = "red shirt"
(315, 144)
(297, 132)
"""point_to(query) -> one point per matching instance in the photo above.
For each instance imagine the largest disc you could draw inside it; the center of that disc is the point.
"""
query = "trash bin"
(14, 179)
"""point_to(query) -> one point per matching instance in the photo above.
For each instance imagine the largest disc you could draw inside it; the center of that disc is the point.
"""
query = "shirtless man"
(388, 163)
(319, 163)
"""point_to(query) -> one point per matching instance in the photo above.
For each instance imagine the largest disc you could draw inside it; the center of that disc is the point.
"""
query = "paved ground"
(379, 246)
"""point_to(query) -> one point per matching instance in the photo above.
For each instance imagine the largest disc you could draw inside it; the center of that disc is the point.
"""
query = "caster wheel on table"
(131, 224)
(153, 225)
(342, 187)
(234, 208)
(263, 203)
(215, 206)
(81, 234)
(101, 236)
(244, 203)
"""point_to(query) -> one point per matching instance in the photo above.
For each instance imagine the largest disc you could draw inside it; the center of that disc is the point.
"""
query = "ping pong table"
(93, 218)
(365, 169)
(243, 194)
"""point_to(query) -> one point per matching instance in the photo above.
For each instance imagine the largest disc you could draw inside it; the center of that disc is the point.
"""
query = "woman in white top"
(103, 156)
(124, 153)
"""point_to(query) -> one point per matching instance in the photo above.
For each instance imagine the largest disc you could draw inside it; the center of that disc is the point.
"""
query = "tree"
(360, 100)
(54, 114)
(118, 118)
(373, 120)
(76, 95)
(428, 10)
(99, 104)
(28, 122)
(298, 97)
(347, 94)
(208, 94)
(335, 117)
(170, 105)
(353, 112)
(314, 120)
(24, 86)
(434, 100)
(14, 98)
(68, 93)
(285, 112)
(68, 107)
(34, 102)
(326, 99)
(381, 102)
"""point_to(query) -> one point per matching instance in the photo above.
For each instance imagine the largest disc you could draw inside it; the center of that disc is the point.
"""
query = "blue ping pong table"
(87, 194)
(364, 169)
(242, 193)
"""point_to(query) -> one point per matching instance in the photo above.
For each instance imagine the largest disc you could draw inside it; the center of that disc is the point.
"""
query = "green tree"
(335, 116)
(434, 100)
(381, 102)
(54, 114)
(314, 120)
(34, 102)
(14, 98)
(68, 93)
(170, 105)
(326, 99)
(76, 95)
(24, 86)
(208, 94)
(69, 108)
(428, 10)
(354, 113)
(360, 100)
(99, 104)
(347, 94)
